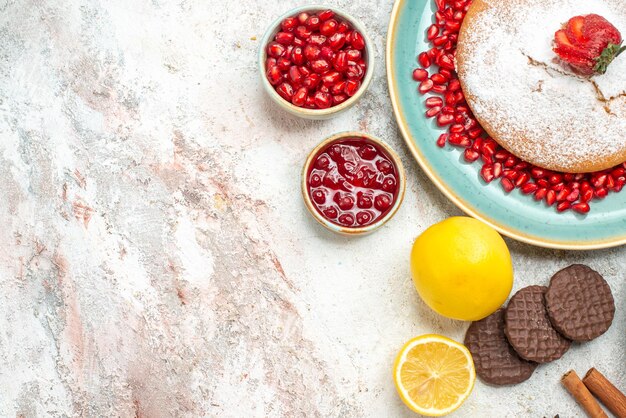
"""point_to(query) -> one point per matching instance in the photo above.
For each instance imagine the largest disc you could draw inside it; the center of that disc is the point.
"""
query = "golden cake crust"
(591, 136)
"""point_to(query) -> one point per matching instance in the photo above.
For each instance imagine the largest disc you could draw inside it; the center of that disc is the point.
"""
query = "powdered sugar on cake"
(540, 110)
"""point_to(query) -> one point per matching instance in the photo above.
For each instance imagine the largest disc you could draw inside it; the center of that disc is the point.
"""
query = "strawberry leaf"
(608, 55)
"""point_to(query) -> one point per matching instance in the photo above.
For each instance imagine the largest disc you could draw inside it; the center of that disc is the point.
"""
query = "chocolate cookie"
(528, 328)
(495, 360)
(580, 303)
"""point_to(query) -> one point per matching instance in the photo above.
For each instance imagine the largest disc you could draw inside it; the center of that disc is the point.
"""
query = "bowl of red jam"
(353, 183)
(316, 62)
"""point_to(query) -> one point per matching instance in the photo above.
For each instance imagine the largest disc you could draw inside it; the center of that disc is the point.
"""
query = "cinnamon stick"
(603, 389)
(585, 399)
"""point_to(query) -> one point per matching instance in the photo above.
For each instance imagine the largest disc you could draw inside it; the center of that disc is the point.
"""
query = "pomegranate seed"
(573, 196)
(459, 140)
(618, 172)
(318, 40)
(497, 170)
(289, 24)
(432, 32)
(507, 185)
(434, 101)
(471, 155)
(294, 75)
(310, 103)
(329, 27)
(510, 174)
(456, 128)
(357, 41)
(274, 75)
(352, 86)
(448, 110)
(432, 54)
(302, 17)
(510, 162)
(275, 50)
(440, 40)
(353, 55)
(443, 119)
(327, 53)
(339, 98)
(587, 195)
(312, 23)
(541, 193)
(354, 72)
(446, 61)
(601, 193)
(563, 206)
(599, 181)
(297, 56)
(424, 60)
(439, 88)
(550, 197)
(453, 25)
(522, 179)
(337, 88)
(425, 86)
(529, 188)
(320, 66)
(433, 111)
(285, 90)
(331, 78)
(420, 74)
(325, 15)
(299, 97)
(305, 71)
(340, 61)
(441, 141)
(555, 178)
(487, 173)
(542, 183)
(537, 173)
(438, 78)
(561, 195)
(440, 4)
(284, 38)
(450, 98)
(454, 85)
(343, 27)
(322, 100)
(475, 133)
(501, 155)
(311, 81)
(312, 52)
(581, 207)
(337, 41)
(302, 32)
(610, 182)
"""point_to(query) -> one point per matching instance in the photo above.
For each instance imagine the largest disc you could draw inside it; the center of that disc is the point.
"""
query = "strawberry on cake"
(546, 80)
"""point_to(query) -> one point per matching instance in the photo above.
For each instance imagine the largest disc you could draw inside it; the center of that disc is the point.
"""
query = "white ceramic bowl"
(353, 231)
(315, 113)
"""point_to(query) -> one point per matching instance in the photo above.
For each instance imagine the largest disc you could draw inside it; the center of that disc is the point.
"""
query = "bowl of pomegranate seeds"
(353, 183)
(316, 62)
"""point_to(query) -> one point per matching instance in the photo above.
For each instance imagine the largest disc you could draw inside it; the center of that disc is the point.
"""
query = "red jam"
(316, 61)
(353, 182)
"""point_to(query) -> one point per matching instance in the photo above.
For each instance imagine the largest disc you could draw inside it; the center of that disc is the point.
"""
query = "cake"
(528, 99)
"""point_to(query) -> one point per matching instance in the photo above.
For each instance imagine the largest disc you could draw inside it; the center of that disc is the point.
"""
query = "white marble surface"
(155, 256)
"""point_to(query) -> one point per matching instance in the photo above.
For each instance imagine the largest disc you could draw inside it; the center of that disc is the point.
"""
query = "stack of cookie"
(539, 325)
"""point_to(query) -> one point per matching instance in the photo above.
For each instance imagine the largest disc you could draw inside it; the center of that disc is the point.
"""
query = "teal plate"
(515, 215)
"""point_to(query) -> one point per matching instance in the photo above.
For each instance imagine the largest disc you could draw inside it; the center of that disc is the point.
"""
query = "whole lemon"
(462, 268)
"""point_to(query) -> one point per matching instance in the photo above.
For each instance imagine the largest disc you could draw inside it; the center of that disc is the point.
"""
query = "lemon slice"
(434, 375)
